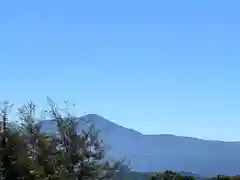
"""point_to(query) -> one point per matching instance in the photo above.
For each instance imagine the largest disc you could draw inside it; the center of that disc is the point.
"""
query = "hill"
(154, 153)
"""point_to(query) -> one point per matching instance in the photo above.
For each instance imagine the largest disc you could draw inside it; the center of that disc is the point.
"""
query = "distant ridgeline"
(169, 175)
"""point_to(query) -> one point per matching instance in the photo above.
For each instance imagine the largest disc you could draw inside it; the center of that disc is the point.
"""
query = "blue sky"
(155, 66)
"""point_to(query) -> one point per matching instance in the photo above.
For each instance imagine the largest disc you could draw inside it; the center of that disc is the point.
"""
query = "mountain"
(154, 153)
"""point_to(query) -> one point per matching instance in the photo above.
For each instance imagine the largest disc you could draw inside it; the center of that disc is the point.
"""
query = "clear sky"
(156, 66)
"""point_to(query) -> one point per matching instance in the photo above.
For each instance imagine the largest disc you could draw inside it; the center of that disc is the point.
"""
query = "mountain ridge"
(153, 153)
(162, 134)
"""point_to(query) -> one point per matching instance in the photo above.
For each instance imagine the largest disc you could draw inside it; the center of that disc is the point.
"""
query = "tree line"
(28, 153)
(170, 175)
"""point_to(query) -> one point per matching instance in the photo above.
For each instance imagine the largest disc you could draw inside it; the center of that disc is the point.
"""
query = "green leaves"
(31, 154)
(169, 175)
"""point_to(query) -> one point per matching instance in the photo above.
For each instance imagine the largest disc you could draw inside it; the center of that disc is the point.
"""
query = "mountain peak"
(93, 116)
(150, 153)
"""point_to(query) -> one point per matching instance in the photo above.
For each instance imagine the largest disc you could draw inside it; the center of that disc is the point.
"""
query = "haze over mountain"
(151, 153)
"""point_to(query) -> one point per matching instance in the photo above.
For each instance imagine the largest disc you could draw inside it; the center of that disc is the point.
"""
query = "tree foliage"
(170, 175)
(26, 152)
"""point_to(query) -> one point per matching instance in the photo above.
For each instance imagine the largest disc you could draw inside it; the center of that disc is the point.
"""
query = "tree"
(82, 153)
(170, 175)
(221, 177)
(30, 153)
(11, 148)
